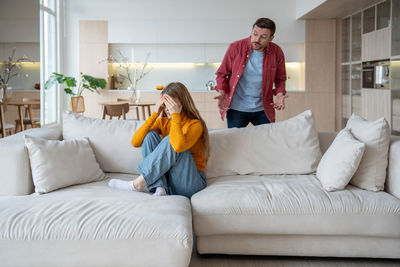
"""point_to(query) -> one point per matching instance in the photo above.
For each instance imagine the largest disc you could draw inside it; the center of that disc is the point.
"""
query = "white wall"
(305, 6)
(206, 23)
(20, 29)
(19, 21)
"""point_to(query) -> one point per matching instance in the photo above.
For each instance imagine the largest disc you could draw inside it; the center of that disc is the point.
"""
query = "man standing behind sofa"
(245, 77)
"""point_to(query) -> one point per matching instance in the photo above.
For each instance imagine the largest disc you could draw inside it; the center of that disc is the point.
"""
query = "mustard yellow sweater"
(184, 133)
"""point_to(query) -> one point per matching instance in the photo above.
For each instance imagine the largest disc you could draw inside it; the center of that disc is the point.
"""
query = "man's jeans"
(162, 166)
(240, 119)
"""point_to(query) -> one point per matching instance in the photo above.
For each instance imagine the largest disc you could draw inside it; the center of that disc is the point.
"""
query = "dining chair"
(136, 107)
(27, 120)
(8, 128)
(116, 111)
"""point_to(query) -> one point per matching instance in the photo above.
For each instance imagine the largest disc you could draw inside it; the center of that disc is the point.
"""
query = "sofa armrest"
(15, 170)
(393, 175)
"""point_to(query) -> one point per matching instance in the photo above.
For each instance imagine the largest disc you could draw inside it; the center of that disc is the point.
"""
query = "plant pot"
(77, 104)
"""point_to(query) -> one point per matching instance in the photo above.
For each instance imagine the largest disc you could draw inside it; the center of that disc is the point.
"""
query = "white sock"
(160, 191)
(121, 184)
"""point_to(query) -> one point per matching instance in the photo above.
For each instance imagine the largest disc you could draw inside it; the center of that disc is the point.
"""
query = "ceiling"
(332, 9)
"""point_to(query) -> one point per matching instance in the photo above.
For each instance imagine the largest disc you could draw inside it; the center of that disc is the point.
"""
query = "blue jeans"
(163, 167)
(240, 119)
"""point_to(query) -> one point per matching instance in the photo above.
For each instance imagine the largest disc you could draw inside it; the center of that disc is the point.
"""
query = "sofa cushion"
(90, 220)
(57, 164)
(292, 205)
(15, 174)
(287, 147)
(340, 161)
(110, 140)
(371, 173)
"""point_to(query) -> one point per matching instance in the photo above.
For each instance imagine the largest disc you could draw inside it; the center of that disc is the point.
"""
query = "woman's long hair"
(179, 91)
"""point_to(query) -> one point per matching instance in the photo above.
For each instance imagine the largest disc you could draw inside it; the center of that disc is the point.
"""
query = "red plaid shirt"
(234, 63)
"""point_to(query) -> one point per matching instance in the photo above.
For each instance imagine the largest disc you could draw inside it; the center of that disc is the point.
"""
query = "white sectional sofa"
(88, 224)
(258, 201)
(261, 213)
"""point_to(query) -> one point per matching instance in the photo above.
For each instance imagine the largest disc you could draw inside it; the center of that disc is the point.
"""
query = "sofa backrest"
(286, 147)
(110, 141)
(325, 140)
(16, 178)
(15, 170)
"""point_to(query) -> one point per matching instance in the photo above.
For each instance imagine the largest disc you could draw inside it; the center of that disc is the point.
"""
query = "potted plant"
(86, 82)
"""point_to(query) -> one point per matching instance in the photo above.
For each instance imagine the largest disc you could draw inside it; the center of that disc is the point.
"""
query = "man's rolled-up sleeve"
(224, 72)
(280, 75)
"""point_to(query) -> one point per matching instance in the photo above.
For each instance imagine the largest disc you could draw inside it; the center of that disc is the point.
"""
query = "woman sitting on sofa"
(174, 162)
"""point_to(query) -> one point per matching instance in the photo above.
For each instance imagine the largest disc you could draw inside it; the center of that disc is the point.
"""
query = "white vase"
(137, 99)
(5, 92)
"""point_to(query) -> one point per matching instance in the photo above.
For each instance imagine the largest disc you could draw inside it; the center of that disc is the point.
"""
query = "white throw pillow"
(371, 173)
(286, 147)
(340, 161)
(110, 140)
(56, 164)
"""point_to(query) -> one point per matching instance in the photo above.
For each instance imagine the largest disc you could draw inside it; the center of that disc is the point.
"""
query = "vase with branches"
(133, 72)
(11, 69)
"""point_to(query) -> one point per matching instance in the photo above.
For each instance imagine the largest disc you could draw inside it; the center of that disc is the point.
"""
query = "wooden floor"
(258, 261)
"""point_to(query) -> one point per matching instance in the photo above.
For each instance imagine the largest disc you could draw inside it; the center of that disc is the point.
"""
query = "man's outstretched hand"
(279, 102)
(221, 100)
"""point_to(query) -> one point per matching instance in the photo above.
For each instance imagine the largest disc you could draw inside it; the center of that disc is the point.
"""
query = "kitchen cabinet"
(346, 40)
(376, 32)
(31, 50)
(369, 20)
(395, 84)
(215, 52)
(376, 103)
(383, 15)
(346, 96)
(375, 45)
(378, 27)
(356, 37)
(395, 28)
(356, 89)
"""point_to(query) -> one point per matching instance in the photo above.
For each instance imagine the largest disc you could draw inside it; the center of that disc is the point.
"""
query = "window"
(49, 62)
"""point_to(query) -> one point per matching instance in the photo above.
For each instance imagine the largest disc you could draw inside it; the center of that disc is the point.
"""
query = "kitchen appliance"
(375, 74)
(210, 85)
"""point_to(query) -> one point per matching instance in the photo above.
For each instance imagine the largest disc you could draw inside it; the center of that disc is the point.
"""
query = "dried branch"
(130, 68)
(10, 66)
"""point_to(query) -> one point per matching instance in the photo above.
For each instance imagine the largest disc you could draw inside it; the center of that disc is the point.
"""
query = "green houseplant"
(86, 82)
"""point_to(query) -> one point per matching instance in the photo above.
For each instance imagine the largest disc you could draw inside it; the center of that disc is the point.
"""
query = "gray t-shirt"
(247, 97)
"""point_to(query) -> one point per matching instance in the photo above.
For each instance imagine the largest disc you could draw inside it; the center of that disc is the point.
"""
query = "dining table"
(21, 105)
(144, 106)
